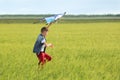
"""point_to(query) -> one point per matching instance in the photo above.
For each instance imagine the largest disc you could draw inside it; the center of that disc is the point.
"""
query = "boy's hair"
(44, 29)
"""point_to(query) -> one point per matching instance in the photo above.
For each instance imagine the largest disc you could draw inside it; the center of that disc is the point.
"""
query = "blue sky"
(59, 6)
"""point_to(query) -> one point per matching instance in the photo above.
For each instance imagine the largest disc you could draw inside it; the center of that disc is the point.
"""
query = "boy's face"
(45, 33)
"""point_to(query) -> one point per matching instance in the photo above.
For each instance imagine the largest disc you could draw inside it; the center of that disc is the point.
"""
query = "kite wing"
(59, 16)
(50, 19)
(53, 18)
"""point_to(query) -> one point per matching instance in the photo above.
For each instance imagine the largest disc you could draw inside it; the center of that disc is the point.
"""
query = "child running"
(40, 47)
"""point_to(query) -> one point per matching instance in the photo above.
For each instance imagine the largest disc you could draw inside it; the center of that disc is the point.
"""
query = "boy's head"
(44, 31)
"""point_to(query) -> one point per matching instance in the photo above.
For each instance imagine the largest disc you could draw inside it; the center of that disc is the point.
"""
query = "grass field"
(82, 51)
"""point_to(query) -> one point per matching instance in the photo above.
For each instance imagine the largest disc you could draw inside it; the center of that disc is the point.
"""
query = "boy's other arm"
(48, 45)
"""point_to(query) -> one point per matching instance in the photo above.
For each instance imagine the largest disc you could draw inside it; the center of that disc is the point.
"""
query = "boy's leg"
(48, 57)
(38, 55)
(41, 59)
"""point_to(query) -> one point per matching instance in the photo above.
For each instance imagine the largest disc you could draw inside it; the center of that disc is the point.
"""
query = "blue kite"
(53, 18)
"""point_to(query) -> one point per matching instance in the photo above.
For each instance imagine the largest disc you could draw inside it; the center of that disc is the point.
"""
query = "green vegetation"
(33, 19)
(82, 52)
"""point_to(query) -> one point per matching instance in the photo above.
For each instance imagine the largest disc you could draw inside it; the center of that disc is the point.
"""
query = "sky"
(59, 6)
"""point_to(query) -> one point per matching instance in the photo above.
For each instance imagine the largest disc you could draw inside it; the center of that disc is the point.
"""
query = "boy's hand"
(50, 45)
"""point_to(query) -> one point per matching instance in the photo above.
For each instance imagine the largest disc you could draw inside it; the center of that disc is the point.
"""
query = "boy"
(40, 47)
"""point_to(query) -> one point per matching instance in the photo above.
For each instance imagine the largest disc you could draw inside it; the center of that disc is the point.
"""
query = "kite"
(53, 18)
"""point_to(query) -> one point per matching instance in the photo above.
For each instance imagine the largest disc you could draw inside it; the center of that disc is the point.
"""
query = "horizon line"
(68, 14)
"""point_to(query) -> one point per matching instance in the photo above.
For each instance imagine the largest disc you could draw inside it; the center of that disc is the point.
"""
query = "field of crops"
(83, 51)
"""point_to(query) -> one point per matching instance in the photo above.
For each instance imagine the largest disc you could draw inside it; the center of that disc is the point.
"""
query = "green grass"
(82, 52)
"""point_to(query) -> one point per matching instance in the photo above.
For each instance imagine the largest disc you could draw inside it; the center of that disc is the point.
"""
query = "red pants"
(43, 57)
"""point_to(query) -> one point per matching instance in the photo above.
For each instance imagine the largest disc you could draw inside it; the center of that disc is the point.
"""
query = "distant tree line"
(46, 15)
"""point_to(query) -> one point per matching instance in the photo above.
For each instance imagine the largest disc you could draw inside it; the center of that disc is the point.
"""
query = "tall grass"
(81, 52)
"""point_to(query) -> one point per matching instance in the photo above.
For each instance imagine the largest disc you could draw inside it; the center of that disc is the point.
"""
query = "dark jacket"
(38, 44)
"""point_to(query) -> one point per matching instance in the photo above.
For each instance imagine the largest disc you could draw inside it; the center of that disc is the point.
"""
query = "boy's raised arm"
(49, 25)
